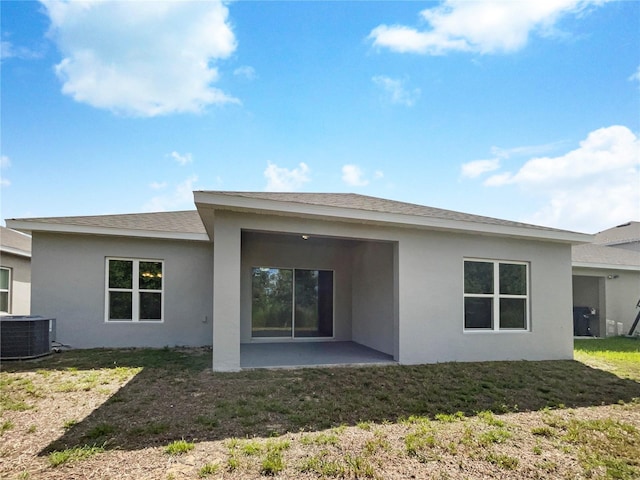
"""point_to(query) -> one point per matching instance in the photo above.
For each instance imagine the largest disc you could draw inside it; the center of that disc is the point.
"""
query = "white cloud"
(246, 72)
(478, 167)
(396, 91)
(590, 188)
(142, 58)
(8, 50)
(495, 26)
(280, 179)
(181, 159)
(353, 176)
(636, 76)
(180, 198)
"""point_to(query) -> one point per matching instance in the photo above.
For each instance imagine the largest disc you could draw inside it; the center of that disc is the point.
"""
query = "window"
(496, 295)
(5, 289)
(291, 303)
(134, 290)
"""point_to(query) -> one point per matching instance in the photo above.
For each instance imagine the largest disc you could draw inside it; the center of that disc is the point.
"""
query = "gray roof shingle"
(14, 240)
(375, 204)
(626, 233)
(604, 255)
(187, 221)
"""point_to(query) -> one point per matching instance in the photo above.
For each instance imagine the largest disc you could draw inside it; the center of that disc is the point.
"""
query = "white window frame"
(496, 296)
(8, 289)
(135, 291)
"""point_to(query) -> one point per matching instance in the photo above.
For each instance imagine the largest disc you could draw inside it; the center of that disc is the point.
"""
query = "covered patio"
(309, 354)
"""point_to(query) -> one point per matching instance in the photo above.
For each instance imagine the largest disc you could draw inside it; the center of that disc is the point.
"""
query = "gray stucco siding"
(68, 283)
(20, 287)
(431, 300)
(407, 290)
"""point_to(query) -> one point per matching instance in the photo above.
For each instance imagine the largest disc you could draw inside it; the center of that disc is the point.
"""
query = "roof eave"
(277, 207)
(29, 226)
(606, 266)
(15, 251)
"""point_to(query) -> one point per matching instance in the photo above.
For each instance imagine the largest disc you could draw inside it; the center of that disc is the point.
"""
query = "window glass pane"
(478, 277)
(120, 274)
(4, 279)
(120, 306)
(513, 313)
(150, 276)
(513, 279)
(272, 302)
(478, 312)
(150, 306)
(314, 303)
(4, 302)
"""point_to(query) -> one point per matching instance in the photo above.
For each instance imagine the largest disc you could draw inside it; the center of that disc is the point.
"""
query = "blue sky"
(526, 111)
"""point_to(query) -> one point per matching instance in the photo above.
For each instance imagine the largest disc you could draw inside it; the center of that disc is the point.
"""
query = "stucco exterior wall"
(428, 284)
(621, 294)
(373, 296)
(68, 283)
(431, 272)
(20, 291)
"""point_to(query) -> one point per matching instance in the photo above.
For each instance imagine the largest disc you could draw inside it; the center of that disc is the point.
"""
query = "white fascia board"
(15, 251)
(27, 226)
(606, 266)
(274, 207)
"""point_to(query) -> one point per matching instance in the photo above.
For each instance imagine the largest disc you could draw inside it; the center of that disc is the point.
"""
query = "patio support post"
(226, 294)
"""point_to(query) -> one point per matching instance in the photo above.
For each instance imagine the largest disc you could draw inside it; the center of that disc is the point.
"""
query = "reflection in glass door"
(290, 303)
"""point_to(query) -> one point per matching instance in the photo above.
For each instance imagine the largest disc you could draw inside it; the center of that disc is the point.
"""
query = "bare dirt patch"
(111, 414)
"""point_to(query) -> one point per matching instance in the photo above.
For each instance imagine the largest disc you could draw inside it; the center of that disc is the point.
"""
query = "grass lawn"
(163, 414)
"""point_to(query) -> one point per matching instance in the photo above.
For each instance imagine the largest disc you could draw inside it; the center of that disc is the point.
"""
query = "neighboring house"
(419, 284)
(606, 278)
(15, 272)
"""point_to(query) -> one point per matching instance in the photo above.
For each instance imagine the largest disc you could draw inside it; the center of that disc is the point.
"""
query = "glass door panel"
(272, 302)
(314, 303)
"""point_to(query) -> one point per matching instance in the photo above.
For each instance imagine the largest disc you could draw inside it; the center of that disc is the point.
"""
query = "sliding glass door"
(291, 303)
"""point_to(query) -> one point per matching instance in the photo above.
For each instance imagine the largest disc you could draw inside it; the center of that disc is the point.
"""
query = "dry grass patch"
(113, 413)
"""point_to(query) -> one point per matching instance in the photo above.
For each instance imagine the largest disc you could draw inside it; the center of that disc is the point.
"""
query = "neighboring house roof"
(607, 250)
(14, 242)
(344, 206)
(602, 256)
(625, 233)
(179, 225)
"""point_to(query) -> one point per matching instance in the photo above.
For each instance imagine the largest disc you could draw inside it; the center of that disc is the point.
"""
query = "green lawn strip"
(620, 355)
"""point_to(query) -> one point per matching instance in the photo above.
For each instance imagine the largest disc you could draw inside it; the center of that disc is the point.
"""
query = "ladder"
(635, 323)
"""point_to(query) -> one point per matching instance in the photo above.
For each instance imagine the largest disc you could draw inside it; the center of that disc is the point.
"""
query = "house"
(606, 278)
(15, 272)
(269, 273)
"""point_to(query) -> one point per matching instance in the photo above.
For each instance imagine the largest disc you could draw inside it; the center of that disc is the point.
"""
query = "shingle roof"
(626, 233)
(375, 204)
(603, 255)
(12, 240)
(179, 222)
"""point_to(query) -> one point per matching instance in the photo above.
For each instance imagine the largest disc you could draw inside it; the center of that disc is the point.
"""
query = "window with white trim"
(496, 295)
(134, 290)
(5, 290)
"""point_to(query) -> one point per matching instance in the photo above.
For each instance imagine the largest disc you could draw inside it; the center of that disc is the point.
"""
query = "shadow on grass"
(174, 396)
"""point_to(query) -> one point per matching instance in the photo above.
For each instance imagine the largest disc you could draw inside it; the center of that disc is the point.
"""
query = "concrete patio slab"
(309, 354)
